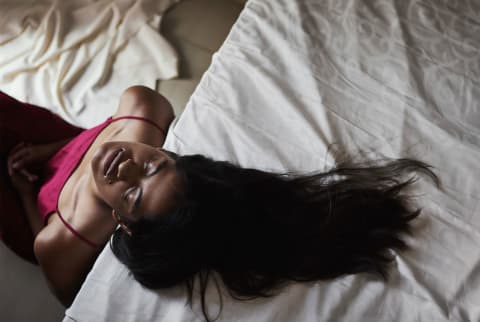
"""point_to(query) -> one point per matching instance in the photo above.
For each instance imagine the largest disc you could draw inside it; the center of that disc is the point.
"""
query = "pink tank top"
(61, 166)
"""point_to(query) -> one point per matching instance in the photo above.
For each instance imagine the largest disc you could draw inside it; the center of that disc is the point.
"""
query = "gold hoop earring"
(119, 220)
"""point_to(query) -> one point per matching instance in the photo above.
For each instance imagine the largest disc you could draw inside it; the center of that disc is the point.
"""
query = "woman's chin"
(96, 166)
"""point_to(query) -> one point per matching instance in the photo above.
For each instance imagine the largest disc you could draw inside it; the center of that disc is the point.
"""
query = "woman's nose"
(129, 171)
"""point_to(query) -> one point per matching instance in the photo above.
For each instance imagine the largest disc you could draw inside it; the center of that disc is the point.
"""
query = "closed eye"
(132, 197)
(153, 166)
(138, 199)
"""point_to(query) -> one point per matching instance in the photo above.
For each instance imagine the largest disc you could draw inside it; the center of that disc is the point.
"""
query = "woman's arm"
(26, 182)
(27, 191)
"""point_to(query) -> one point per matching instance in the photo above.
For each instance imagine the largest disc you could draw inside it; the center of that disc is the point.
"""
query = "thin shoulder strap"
(76, 233)
(141, 119)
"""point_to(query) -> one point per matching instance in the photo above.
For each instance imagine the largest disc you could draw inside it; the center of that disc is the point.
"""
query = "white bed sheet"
(299, 85)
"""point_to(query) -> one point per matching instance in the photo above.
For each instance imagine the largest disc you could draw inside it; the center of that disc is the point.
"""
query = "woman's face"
(135, 179)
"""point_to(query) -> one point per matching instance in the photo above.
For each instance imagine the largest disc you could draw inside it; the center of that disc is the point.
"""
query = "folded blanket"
(76, 57)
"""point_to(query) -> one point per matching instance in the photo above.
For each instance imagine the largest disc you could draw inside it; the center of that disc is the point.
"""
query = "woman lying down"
(65, 190)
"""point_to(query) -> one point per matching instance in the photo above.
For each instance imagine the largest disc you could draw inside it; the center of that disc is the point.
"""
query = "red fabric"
(28, 123)
(59, 168)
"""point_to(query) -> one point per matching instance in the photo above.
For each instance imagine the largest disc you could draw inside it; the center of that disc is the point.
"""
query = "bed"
(302, 84)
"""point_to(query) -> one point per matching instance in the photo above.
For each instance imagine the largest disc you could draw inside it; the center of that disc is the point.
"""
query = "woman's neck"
(102, 224)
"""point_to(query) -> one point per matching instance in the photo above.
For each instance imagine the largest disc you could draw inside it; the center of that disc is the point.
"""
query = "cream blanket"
(76, 57)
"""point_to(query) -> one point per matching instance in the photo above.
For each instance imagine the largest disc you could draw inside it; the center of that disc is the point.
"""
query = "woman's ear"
(122, 224)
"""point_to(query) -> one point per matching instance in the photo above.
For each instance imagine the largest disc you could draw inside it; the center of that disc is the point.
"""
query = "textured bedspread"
(300, 85)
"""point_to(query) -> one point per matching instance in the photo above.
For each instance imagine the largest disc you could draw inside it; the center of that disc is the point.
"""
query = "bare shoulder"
(144, 102)
(64, 259)
(141, 101)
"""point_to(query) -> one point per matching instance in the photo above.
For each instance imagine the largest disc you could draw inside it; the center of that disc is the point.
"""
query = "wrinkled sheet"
(301, 84)
(73, 57)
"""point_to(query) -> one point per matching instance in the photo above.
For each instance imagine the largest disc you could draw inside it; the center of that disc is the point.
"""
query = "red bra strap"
(141, 119)
(76, 233)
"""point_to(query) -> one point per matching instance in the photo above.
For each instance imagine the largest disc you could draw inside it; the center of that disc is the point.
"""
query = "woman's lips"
(112, 161)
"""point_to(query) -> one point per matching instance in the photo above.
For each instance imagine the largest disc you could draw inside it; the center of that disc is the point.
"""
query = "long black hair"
(259, 230)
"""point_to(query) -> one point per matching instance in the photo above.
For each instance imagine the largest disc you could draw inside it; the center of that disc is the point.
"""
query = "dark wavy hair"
(259, 230)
